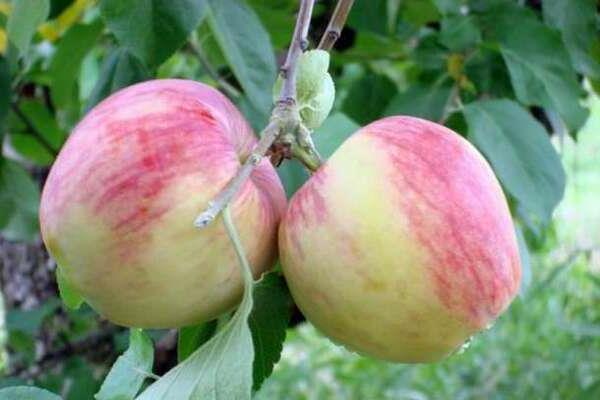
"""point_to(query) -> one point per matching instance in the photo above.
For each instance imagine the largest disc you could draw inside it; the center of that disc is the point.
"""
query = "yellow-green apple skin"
(118, 206)
(401, 246)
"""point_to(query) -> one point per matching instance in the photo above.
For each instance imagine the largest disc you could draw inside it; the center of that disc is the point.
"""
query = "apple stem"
(234, 185)
(285, 126)
(336, 23)
(284, 116)
(246, 270)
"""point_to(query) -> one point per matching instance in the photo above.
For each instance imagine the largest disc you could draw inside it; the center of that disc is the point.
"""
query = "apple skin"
(118, 207)
(401, 246)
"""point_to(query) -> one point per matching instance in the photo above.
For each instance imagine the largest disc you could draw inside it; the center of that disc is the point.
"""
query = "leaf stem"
(336, 23)
(241, 254)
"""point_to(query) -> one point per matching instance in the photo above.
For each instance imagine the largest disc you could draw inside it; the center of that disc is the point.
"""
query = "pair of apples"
(400, 246)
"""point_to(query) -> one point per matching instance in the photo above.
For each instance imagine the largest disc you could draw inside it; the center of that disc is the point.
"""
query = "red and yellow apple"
(118, 207)
(401, 246)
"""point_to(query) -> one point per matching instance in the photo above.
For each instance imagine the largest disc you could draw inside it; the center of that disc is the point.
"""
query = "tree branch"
(284, 118)
(298, 45)
(336, 23)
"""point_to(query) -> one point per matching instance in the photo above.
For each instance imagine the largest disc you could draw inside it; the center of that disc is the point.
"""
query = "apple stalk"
(285, 128)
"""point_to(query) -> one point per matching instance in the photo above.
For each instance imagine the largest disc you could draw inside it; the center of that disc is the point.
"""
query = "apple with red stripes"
(401, 246)
(118, 207)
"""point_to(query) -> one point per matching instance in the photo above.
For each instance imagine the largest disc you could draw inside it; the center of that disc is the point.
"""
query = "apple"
(118, 207)
(401, 246)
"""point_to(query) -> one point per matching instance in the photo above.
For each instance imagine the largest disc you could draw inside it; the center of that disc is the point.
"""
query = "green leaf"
(419, 12)
(372, 16)
(525, 262)
(327, 138)
(131, 369)
(520, 152)
(222, 368)
(334, 131)
(58, 6)
(44, 122)
(258, 118)
(421, 100)
(30, 147)
(540, 70)
(459, 33)
(120, 69)
(152, 29)
(268, 322)
(5, 91)
(69, 295)
(30, 321)
(19, 202)
(26, 393)
(247, 48)
(576, 19)
(277, 18)
(192, 337)
(66, 62)
(368, 97)
(293, 174)
(369, 46)
(448, 6)
(24, 19)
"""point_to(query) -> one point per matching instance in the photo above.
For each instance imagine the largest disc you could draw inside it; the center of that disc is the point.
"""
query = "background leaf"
(19, 202)
(247, 48)
(26, 393)
(368, 97)
(24, 19)
(44, 122)
(127, 375)
(69, 295)
(334, 131)
(152, 29)
(526, 275)
(190, 338)
(526, 163)
(327, 138)
(459, 32)
(539, 76)
(577, 21)
(120, 69)
(65, 65)
(4, 91)
(420, 100)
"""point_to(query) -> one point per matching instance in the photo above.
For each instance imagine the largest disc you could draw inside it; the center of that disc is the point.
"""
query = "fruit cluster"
(400, 246)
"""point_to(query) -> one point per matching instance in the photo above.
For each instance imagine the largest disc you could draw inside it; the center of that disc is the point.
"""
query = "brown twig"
(299, 44)
(285, 117)
(336, 23)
